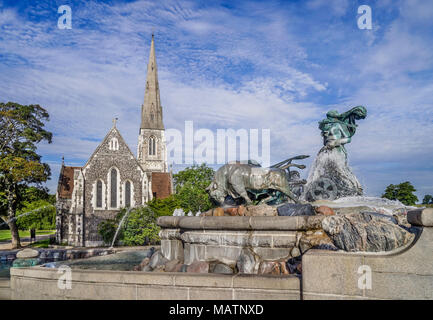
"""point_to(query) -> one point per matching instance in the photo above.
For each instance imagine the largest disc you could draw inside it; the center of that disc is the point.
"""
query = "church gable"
(114, 178)
(113, 146)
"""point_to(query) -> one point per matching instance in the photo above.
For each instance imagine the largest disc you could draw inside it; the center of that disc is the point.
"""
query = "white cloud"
(257, 67)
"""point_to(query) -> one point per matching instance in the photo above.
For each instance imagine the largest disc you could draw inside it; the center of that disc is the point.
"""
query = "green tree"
(164, 207)
(139, 227)
(190, 185)
(402, 192)
(21, 128)
(428, 199)
(42, 216)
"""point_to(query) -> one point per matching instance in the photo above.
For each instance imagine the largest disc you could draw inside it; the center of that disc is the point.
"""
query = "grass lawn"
(41, 244)
(6, 234)
(424, 205)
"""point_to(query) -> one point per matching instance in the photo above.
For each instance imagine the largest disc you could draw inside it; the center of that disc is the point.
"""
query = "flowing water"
(119, 226)
(27, 213)
(122, 261)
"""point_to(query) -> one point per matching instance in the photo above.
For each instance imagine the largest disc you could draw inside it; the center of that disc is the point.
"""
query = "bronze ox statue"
(237, 179)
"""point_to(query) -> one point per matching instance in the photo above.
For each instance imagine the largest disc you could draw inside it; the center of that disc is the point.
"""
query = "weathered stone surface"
(147, 269)
(241, 210)
(365, 232)
(247, 262)
(296, 209)
(378, 215)
(160, 268)
(262, 210)
(27, 253)
(295, 252)
(157, 259)
(244, 223)
(421, 217)
(218, 212)
(348, 210)
(178, 267)
(222, 269)
(401, 219)
(232, 211)
(172, 249)
(270, 267)
(208, 213)
(171, 265)
(198, 267)
(327, 211)
(272, 254)
(143, 263)
(283, 268)
(315, 240)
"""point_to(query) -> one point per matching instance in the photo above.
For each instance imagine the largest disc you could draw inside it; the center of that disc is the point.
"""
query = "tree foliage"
(139, 227)
(190, 186)
(42, 216)
(402, 192)
(164, 207)
(428, 199)
(21, 128)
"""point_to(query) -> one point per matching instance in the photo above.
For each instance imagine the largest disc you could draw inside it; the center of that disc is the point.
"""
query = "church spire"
(151, 110)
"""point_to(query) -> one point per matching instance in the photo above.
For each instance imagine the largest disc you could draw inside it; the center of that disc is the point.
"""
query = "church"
(113, 178)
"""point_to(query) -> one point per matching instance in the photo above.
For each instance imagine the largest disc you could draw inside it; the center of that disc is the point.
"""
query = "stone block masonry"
(404, 273)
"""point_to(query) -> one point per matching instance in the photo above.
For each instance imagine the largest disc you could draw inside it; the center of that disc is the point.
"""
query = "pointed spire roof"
(151, 110)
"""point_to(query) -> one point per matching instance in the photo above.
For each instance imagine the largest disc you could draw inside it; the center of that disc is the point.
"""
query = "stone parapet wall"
(5, 291)
(406, 274)
(225, 246)
(41, 283)
(297, 223)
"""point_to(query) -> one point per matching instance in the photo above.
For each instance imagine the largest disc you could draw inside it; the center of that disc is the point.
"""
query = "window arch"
(152, 146)
(99, 194)
(113, 188)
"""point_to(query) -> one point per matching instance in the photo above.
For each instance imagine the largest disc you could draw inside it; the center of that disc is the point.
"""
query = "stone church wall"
(99, 167)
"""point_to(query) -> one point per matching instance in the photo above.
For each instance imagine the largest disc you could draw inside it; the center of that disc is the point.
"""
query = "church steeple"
(151, 110)
(152, 151)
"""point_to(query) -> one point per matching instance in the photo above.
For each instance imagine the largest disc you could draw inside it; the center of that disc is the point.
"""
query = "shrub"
(164, 207)
(107, 229)
(139, 227)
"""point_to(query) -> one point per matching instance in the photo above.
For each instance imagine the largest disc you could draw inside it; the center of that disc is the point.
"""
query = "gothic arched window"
(113, 191)
(127, 194)
(152, 146)
(99, 194)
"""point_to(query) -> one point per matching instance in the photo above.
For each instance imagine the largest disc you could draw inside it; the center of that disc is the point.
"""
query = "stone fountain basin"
(406, 274)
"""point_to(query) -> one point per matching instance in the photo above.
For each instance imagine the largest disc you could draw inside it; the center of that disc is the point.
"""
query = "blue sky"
(231, 64)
